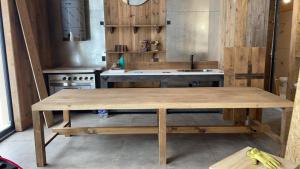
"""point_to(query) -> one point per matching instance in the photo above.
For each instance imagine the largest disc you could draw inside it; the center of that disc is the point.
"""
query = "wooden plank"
(241, 23)
(266, 129)
(294, 61)
(67, 118)
(52, 136)
(169, 98)
(39, 139)
(293, 144)
(150, 13)
(285, 128)
(152, 130)
(20, 76)
(33, 55)
(239, 160)
(106, 130)
(162, 136)
(173, 65)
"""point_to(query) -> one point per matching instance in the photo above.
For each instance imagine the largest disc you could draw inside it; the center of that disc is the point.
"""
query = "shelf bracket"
(112, 29)
(158, 29)
(135, 29)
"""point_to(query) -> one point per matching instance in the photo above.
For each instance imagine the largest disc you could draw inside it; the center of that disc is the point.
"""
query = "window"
(6, 123)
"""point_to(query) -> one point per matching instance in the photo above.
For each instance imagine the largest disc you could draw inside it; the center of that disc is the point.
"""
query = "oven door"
(56, 87)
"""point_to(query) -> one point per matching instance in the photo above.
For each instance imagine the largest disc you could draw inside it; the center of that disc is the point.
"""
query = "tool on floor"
(266, 159)
(7, 164)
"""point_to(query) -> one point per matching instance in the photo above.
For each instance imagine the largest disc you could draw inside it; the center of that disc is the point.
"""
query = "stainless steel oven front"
(57, 82)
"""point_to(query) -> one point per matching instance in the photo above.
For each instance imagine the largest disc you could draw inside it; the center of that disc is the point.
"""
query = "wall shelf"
(135, 52)
(112, 28)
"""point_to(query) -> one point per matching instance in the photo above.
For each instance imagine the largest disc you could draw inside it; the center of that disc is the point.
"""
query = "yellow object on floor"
(265, 159)
(239, 160)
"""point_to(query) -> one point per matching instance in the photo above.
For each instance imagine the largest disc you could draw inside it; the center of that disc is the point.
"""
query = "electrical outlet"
(103, 58)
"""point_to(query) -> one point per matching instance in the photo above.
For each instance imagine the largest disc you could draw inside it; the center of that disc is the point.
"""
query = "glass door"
(6, 122)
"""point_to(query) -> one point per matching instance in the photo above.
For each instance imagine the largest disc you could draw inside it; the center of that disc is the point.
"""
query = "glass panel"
(6, 124)
(4, 111)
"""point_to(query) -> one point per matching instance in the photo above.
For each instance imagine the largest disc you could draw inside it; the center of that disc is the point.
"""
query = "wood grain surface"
(156, 98)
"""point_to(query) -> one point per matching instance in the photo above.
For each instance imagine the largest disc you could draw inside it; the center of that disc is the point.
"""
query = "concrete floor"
(138, 151)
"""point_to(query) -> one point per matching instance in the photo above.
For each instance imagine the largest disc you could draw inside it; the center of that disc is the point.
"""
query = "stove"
(59, 79)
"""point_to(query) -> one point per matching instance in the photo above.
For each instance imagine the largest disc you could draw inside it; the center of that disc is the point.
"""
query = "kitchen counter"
(161, 72)
(165, 77)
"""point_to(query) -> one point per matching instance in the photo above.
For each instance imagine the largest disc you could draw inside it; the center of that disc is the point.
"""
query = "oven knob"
(80, 78)
(64, 78)
(69, 78)
(86, 78)
(91, 78)
(75, 78)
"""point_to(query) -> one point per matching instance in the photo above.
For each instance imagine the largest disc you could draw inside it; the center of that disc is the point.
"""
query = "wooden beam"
(209, 130)
(266, 129)
(153, 130)
(293, 144)
(53, 135)
(106, 130)
(294, 58)
(162, 136)
(39, 138)
(20, 76)
(33, 54)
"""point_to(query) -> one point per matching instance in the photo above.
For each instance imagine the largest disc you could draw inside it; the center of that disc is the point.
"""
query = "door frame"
(7, 132)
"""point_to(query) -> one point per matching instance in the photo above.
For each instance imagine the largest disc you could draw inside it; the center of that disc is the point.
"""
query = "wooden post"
(33, 54)
(67, 118)
(162, 136)
(285, 127)
(293, 144)
(39, 138)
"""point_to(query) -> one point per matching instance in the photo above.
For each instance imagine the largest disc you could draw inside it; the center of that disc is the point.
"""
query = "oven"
(57, 82)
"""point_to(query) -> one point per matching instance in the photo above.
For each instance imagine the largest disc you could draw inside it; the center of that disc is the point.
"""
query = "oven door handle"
(69, 84)
(59, 84)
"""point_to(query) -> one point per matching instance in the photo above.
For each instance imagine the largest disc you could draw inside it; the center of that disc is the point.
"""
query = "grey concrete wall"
(80, 53)
(194, 29)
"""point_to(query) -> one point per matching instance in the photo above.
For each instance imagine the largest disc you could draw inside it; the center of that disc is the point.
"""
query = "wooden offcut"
(244, 67)
(33, 54)
(293, 144)
(239, 160)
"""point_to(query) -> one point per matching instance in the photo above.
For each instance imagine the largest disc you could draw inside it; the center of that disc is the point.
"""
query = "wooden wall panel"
(244, 41)
(244, 23)
(22, 85)
(293, 144)
(244, 67)
(123, 16)
(294, 62)
(23, 90)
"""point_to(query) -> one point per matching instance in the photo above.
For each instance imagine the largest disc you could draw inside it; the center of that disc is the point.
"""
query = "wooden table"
(160, 99)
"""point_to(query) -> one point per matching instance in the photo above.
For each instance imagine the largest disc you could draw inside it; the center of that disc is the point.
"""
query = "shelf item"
(112, 28)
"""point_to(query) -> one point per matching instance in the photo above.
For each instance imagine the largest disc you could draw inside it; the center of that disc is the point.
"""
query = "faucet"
(192, 62)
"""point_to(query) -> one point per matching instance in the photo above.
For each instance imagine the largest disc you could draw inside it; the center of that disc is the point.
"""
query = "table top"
(161, 98)
(239, 160)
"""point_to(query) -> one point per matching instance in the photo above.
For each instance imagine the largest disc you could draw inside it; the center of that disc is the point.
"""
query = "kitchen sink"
(196, 70)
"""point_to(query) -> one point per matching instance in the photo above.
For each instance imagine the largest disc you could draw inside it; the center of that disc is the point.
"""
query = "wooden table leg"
(162, 135)
(285, 128)
(67, 118)
(39, 138)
